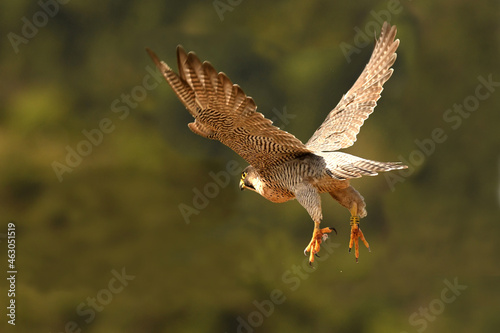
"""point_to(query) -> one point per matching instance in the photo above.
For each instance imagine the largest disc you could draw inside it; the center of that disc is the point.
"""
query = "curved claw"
(356, 235)
(331, 228)
(319, 236)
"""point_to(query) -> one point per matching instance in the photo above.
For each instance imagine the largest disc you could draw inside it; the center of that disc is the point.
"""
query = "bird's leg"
(356, 231)
(319, 235)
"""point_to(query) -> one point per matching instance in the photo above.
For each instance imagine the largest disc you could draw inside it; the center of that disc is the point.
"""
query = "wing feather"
(223, 112)
(343, 123)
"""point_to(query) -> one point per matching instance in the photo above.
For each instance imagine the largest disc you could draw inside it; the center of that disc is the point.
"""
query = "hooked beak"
(242, 184)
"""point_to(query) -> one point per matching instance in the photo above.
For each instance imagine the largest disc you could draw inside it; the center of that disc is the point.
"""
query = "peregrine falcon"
(281, 167)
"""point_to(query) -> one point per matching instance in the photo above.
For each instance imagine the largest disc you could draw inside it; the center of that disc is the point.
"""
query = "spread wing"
(342, 125)
(223, 112)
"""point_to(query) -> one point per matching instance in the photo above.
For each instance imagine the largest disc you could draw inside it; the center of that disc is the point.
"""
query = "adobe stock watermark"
(95, 136)
(366, 36)
(420, 319)
(221, 179)
(30, 28)
(222, 6)
(292, 279)
(87, 310)
(454, 118)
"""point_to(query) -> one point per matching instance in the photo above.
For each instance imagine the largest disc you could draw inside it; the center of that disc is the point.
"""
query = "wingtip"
(388, 32)
(182, 54)
(154, 57)
(162, 66)
(151, 53)
(388, 26)
(180, 49)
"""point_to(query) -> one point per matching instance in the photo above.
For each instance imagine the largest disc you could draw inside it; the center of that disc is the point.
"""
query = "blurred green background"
(237, 266)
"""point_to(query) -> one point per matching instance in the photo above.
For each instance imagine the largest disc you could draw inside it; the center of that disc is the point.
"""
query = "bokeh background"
(235, 263)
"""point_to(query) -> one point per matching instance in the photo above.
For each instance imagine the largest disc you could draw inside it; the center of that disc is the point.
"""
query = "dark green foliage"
(119, 207)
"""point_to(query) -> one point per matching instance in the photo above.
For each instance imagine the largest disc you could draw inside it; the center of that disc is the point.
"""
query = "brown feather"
(343, 123)
(223, 112)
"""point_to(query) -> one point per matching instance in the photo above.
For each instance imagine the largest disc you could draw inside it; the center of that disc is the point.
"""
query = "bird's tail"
(345, 166)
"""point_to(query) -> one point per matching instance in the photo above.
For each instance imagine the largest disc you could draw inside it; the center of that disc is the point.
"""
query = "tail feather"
(345, 166)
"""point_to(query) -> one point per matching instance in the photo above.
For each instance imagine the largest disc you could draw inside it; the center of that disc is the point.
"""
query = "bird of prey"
(281, 167)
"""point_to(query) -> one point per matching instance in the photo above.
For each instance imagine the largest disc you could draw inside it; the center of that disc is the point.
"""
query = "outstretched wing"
(342, 125)
(223, 112)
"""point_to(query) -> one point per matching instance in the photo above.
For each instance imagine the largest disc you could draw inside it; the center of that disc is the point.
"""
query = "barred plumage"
(341, 126)
(281, 166)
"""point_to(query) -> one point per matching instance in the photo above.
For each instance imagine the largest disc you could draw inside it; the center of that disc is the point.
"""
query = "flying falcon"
(281, 167)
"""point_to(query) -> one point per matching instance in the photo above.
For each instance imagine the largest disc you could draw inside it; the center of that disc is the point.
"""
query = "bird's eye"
(243, 175)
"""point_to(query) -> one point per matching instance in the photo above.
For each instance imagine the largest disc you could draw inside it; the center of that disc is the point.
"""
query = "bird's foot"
(356, 233)
(319, 236)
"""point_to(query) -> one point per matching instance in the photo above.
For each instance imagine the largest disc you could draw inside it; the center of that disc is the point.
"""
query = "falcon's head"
(250, 180)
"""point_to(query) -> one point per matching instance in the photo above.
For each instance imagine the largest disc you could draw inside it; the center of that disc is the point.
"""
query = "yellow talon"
(356, 232)
(319, 235)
